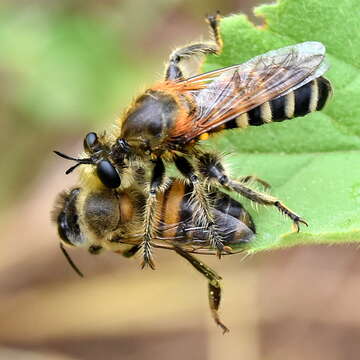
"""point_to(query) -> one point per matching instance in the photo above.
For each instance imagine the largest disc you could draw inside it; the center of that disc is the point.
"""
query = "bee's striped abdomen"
(324, 92)
(227, 205)
(304, 100)
(175, 209)
(185, 210)
(177, 222)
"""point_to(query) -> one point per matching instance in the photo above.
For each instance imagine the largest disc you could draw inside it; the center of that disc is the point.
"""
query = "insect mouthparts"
(123, 145)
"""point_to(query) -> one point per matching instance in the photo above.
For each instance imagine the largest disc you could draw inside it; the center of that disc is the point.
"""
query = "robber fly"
(101, 219)
(165, 123)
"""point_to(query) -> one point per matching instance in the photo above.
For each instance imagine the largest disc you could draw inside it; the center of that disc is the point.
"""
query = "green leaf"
(65, 69)
(311, 162)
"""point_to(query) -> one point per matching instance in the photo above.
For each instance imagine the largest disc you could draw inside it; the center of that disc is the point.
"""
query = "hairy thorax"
(151, 118)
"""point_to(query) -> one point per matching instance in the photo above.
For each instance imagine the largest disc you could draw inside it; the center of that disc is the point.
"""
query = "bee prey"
(102, 219)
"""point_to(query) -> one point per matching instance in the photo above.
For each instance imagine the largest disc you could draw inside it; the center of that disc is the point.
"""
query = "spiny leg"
(173, 71)
(150, 212)
(210, 167)
(252, 178)
(205, 217)
(214, 285)
(214, 22)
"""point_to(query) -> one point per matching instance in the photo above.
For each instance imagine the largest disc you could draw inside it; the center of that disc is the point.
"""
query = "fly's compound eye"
(90, 142)
(108, 174)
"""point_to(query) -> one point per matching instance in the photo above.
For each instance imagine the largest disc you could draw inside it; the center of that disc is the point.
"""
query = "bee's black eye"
(108, 174)
(90, 142)
(64, 229)
(68, 221)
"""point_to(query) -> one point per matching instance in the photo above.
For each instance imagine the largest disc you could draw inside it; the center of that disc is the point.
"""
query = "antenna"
(79, 161)
(69, 260)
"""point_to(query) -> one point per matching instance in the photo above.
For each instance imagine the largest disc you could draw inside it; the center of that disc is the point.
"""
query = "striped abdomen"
(177, 224)
(304, 100)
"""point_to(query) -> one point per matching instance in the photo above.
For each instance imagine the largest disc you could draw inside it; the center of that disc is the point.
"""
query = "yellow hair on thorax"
(88, 178)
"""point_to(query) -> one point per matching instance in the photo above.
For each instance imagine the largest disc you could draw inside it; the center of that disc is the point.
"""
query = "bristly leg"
(173, 70)
(214, 289)
(214, 21)
(211, 168)
(150, 212)
(203, 215)
(252, 178)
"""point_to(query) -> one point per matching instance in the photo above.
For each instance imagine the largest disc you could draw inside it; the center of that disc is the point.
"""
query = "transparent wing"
(195, 239)
(224, 94)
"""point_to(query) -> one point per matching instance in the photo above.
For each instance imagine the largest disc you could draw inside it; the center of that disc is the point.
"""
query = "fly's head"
(108, 159)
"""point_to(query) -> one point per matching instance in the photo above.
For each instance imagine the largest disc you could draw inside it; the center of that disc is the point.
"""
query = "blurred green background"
(67, 68)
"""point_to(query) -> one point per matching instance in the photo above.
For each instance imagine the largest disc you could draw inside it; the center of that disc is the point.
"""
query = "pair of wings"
(222, 95)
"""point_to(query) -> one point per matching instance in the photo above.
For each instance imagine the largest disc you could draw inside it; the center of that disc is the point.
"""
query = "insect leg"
(131, 251)
(150, 212)
(202, 214)
(214, 285)
(213, 21)
(251, 178)
(173, 71)
(210, 167)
